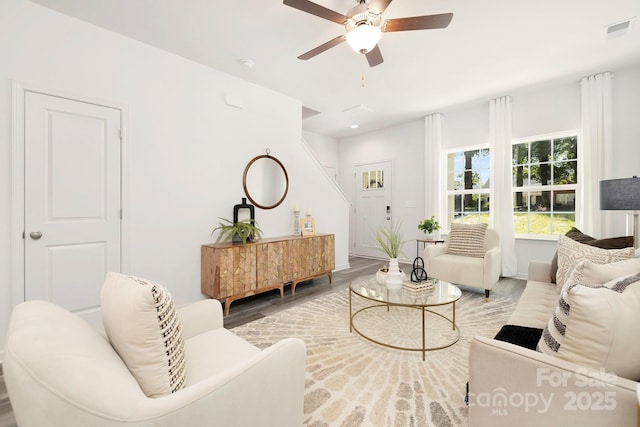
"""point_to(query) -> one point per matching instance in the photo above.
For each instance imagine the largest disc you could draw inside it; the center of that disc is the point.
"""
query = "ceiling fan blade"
(379, 6)
(317, 10)
(374, 57)
(328, 45)
(427, 22)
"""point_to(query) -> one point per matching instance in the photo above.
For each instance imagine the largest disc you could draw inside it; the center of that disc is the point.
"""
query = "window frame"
(553, 187)
(462, 192)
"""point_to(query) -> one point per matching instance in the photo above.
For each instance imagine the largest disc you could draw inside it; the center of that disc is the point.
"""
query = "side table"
(424, 243)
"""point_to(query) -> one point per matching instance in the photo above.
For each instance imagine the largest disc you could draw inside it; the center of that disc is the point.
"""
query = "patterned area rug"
(353, 382)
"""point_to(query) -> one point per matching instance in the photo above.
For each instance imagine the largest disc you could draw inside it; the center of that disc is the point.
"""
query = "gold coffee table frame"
(443, 293)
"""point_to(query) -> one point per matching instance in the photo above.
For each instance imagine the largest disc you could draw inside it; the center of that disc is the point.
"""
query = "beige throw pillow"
(570, 253)
(590, 273)
(596, 326)
(467, 240)
(142, 325)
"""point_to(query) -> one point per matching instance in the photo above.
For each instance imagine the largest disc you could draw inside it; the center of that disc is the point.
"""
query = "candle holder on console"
(296, 221)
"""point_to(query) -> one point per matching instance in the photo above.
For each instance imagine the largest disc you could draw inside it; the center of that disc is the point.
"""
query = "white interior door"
(373, 206)
(72, 200)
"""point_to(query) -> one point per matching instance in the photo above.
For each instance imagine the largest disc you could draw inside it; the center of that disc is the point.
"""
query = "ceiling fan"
(364, 25)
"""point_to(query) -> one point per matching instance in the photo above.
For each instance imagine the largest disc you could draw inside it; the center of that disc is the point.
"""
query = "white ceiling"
(491, 48)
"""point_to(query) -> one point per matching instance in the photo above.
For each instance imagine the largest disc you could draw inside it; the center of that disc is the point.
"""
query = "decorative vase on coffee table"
(394, 278)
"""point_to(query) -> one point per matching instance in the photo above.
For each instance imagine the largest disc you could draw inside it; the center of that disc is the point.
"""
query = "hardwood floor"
(6, 415)
(262, 305)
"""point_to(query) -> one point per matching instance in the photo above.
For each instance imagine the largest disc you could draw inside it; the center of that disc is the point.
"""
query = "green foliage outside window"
(545, 174)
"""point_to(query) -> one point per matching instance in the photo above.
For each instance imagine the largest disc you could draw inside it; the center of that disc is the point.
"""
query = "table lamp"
(622, 195)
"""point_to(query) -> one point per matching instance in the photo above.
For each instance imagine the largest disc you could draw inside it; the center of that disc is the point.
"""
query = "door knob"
(35, 235)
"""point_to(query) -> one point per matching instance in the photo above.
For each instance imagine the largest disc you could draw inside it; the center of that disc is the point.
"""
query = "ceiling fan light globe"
(363, 38)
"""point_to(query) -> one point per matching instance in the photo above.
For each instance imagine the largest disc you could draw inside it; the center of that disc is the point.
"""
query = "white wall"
(548, 108)
(404, 146)
(324, 147)
(626, 134)
(186, 148)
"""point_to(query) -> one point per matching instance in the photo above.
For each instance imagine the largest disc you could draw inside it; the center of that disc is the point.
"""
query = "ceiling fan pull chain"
(362, 79)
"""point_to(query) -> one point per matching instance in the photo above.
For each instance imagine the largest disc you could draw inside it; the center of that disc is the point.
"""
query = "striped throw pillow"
(596, 326)
(467, 240)
(142, 325)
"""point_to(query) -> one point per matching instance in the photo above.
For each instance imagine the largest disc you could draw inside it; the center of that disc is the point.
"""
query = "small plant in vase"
(429, 226)
(243, 231)
(389, 238)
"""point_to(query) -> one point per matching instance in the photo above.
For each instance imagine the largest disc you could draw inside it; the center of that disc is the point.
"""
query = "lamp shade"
(363, 38)
(620, 194)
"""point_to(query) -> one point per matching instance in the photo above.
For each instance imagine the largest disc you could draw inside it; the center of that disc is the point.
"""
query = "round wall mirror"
(265, 181)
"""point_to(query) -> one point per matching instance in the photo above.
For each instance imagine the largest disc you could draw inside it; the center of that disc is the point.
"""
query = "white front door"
(72, 200)
(373, 206)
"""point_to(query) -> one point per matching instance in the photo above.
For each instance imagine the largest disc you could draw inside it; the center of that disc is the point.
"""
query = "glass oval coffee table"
(400, 319)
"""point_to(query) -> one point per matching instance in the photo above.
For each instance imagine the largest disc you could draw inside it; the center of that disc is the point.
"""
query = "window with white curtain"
(468, 185)
(545, 178)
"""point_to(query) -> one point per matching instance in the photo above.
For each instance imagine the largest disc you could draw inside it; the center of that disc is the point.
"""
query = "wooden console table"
(230, 272)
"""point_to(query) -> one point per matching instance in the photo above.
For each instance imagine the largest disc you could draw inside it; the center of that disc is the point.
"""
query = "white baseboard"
(342, 267)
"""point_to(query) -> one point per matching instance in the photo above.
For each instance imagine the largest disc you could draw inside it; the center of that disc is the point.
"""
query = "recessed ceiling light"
(354, 126)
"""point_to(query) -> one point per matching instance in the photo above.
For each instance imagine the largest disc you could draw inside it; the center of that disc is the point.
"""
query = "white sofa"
(60, 371)
(476, 272)
(512, 385)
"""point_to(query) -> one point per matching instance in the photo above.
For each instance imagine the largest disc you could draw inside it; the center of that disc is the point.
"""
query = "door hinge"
(121, 214)
(23, 235)
(121, 135)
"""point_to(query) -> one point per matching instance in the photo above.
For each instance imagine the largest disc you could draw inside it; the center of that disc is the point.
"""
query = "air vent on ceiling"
(620, 29)
(357, 109)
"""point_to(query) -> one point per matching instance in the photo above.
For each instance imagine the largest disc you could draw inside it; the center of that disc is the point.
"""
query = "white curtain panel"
(595, 152)
(501, 194)
(433, 171)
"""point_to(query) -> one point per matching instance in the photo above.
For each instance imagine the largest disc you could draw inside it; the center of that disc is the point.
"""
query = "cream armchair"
(60, 371)
(476, 272)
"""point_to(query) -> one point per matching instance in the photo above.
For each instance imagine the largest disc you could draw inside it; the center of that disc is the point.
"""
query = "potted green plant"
(390, 241)
(429, 226)
(238, 232)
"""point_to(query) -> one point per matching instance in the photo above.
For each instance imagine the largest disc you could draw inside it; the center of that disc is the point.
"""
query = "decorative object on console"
(308, 225)
(243, 231)
(623, 195)
(244, 206)
(265, 181)
(429, 226)
(389, 239)
(296, 221)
